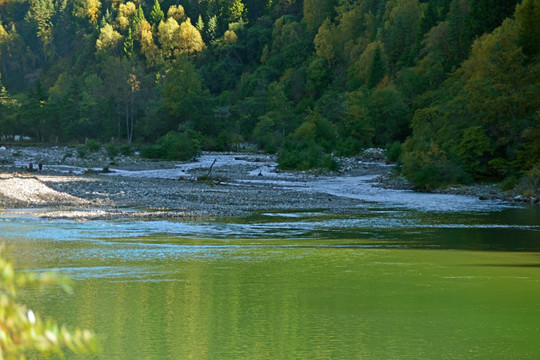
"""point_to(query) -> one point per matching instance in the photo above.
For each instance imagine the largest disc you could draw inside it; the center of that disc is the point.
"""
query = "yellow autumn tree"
(230, 37)
(109, 41)
(125, 14)
(177, 13)
(326, 40)
(190, 38)
(148, 46)
(178, 39)
(87, 9)
(168, 36)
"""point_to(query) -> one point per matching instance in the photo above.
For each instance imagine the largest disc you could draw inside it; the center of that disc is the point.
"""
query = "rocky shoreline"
(229, 185)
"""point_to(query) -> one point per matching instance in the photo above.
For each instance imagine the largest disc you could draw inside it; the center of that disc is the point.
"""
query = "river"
(438, 278)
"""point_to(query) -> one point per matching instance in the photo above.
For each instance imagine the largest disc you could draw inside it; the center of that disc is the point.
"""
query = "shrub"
(266, 136)
(153, 152)
(348, 147)
(82, 151)
(304, 155)
(318, 129)
(509, 183)
(393, 151)
(431, 169)
(112, 150)
(175, 146)
(530, 183)
(93, 145)
(127, 150)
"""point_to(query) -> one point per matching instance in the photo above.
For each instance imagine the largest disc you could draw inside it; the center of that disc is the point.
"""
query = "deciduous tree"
(109, 41)
(316, 11)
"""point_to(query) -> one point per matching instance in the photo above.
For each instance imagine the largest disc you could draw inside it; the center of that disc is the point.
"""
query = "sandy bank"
(30, 191)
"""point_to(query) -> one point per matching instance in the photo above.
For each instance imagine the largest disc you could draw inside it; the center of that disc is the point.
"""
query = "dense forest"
(450, 87)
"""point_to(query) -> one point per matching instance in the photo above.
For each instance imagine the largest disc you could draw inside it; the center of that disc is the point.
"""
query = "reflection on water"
(373, 285)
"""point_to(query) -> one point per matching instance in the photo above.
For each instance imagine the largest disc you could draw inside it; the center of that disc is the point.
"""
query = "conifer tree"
(200, 24)
(137, 19)
(377, 69)
(212, 28)
(128, 44)
(106, 19)
(528, 17)
(486, 15)
(156, 15)
(427, 21)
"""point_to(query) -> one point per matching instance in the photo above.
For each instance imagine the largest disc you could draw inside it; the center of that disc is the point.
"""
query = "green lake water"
(380, 284)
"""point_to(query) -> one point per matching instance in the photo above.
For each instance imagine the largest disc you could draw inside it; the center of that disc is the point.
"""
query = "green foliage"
(128, 44)
(175, 146)
(315, 11)
(82, 151)
(112, 150)
(127, 150)
(343, 75)
(389, 116)
(266, 135)
(428, 167)
(484, 16)
(156, 15)
(475, 150)
(357, 124)
(393, 151)
(212, 28)
(317, 129)
(529, 185)
(304, 155)
(377, 70)
(349, 146)
(485, 115)
(319, 76)
(400, 29)
(22, 331)
(93, 145)
(200, 24)
(527, 15)
(183, 92)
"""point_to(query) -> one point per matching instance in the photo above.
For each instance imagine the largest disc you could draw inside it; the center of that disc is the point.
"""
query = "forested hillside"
(452, 85)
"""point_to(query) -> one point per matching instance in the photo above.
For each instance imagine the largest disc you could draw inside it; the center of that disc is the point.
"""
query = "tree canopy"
(455, 81)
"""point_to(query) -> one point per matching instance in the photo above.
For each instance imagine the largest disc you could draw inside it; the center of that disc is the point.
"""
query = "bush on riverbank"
(112, 150)
(181, 146)
(305, 155)
(393, 151)
(91, 146)
(529, 185)
(429, 168)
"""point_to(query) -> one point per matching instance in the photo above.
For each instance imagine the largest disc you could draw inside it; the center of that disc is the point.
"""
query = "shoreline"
(238, 185)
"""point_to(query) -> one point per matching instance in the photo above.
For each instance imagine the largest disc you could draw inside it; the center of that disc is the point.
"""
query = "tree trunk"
(127, 124)
(119, 125)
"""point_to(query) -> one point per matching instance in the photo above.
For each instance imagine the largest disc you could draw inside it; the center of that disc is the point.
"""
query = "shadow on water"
(516, 229)
(510, 265)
